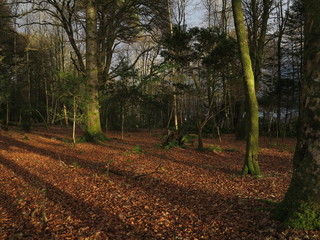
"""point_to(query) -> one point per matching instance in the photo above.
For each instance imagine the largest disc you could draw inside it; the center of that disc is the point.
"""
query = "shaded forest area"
(120, 121)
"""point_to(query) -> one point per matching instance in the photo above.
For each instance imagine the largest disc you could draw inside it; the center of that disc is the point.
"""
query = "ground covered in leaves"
(133, 189)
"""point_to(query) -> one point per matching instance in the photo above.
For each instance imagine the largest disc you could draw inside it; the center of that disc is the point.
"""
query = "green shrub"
(25, 137)
(137, 149)
(189, 139)
(171, 144)
(75, 165)
(213, 148)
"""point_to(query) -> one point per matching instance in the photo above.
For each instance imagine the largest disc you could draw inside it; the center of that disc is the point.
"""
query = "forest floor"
(133, 189)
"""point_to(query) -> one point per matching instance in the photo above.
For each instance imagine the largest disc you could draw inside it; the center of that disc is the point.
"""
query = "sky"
(195, 13)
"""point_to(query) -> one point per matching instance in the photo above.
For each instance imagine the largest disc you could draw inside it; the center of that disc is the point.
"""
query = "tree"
(218, 13)
(282, 22)
(301, 206)
(175, 110)
(6, 59)
(116, 22)
(257, 12)
(13, 69)
(213, 81)
(256, 16)
(282, 71)
(71, 95)
(93, 125)
(251, 165)
(223, 67)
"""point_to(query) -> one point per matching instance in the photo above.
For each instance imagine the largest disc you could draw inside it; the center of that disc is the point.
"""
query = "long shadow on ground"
(211, 214)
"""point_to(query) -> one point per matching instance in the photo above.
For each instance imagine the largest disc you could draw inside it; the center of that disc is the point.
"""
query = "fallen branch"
(116, 173)
(146, 174)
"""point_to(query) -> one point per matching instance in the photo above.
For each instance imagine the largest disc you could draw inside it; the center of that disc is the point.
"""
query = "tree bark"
(65, 114)
(300, 208)
(175, 111)
(93, 126)
(122, 121)
(283, 17)
(200, 141)
(74, 124)
(251, 165)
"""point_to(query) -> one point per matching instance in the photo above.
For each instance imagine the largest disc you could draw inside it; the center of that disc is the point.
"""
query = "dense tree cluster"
(137, 56)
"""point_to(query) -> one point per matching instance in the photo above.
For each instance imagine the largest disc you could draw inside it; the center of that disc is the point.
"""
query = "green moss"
(303, 215)
(245, 170)
(306, 216)
(97, 137)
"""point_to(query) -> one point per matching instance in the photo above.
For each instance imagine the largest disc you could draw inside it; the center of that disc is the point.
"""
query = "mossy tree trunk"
(301, 206)
(251, 165)
(93, 126)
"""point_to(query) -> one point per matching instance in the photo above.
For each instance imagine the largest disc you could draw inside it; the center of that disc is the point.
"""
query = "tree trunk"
(93, 127)
(65, 114)
(26, 96)
(54, 115)
(279, 84)
(282, 24)
(47, 101)
(7, 112)
(224, 20)
(200, 141)
(300, 208)
(122, 122)
(74, 120)
(175, 111)
(251, 165)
